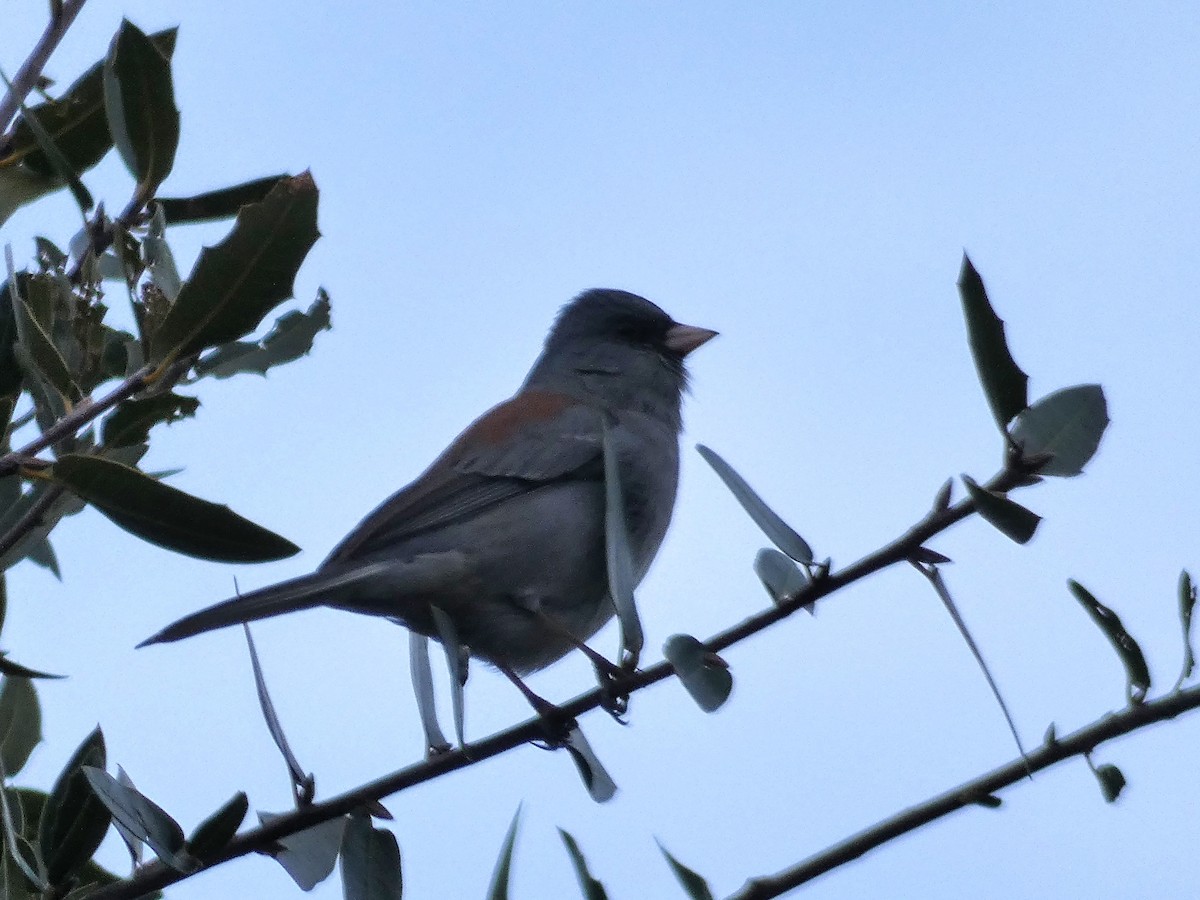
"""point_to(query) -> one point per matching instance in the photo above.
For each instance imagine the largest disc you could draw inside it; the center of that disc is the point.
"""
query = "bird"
(504, 532)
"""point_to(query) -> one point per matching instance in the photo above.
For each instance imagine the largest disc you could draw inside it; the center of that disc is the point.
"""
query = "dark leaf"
(15, 846)
(74, 820)
(61, 167)
(142, 817)
(64, 505)
(1067, 424)
(301, 781)
(778, 531)
(1004, 384)
(1051, 736)
(779, 574)
(701, 671)
(370, 862)
(987, 801)
(132, 841)
(139, 101)
(237, 282)
(219, 204)
(691, 881)
(20, 187)
(214, 833)
(502, 874)
(618, 555)
(930, 557)
(16, 670)
(42, 553)
(10, 372)
(592, 889)
(1187, 605)
(1137, 673)
(596, 779)
(38, 350)
(291, 338)
(1010, 517)
(310, 855)
(130, 423)
(942, 500)
(20, 723)
(1112, 781)
(166, 516)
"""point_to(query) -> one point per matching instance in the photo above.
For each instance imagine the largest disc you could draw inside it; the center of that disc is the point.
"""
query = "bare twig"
(62, 15)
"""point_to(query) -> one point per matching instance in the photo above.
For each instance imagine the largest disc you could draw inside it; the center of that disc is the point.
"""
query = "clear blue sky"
(802, 177)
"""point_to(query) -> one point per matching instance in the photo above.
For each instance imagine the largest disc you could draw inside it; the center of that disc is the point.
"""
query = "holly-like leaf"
(139, 101)
(1136, 671)
(237, 282)
(1010, 517)
(1004, 384)
(291, 338)
(167, 516)
(130, 423)
(218, 204)
(1068, 424)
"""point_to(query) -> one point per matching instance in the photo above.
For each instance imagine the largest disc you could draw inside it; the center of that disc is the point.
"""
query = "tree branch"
(26, 77)
(1081, 742)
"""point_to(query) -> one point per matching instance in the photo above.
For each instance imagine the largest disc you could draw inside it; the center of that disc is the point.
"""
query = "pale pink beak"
(683, 339)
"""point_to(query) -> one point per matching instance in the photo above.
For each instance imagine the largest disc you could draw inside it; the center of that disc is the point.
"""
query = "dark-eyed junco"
(505, 531)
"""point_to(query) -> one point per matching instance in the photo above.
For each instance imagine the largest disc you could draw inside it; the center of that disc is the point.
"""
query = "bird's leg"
(607, 673)
(558, 724)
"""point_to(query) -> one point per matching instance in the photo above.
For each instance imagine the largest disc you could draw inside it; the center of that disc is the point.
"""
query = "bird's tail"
(305, 592)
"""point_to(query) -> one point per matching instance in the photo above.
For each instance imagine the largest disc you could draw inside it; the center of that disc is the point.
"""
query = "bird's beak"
(683, 339)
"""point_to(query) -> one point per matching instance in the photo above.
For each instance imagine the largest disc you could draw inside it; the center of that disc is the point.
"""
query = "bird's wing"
(535, 436)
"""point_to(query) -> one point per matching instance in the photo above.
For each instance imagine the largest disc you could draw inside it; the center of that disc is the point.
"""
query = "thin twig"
(970, 793)
(27, 76)
(30, 520)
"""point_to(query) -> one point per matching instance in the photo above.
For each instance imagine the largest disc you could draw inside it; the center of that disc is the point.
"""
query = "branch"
(30, 520)
(262, 839)
(1081, 742)
(62, 15)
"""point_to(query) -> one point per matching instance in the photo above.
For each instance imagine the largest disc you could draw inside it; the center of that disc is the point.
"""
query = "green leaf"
(20, 187)
(310, 855)
(36, 348)
(370, 862)
(139, 101)
(214, 833)
(1068, 424)
(1010, 517)
(695, 885)
(65, 505)
(166, 516)
(778, 531)
(704, 674)
(16, 847)
(10, 372)
(1112, 781)
(20, 723)
(1136, 671)
(1004, 384)
(141, 817)
(592, 889)
(1187, 605)
(618, 556)
(779, 574)
(74, 820)
(130, 423)
(159, 258)
(16, 670)
(502, 874)
(291, 338)
(599, 783)
(237, 282)
(219, 204)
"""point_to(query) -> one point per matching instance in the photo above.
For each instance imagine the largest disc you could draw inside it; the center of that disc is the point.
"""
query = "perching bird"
(504, 532)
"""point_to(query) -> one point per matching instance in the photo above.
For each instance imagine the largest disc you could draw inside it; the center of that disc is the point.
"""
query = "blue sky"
(802, 177)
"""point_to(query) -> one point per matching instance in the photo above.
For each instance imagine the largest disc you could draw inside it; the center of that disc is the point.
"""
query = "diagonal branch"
(23, 81)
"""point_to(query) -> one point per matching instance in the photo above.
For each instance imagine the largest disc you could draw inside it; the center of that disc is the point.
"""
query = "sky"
(802, 177)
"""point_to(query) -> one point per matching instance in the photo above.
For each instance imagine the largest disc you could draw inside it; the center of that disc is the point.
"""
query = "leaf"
(130, 423)
(592, 889)
(987, 801)
(20, 723)
(1187, 604)
(74, 820)
(302, 782)
(214, 833)
(64, 505)
(1004, 384)
(20, 187)
(1137, 673)
(142, 817)
(36, 348)
(422, 682)
(1010, 517)
(291, 338)
(139, 101)
(1068, 424)
(704, 674)
(159, 258)
(599, 783)
(237, 282)
(13, 842)
(10, 372)
(310, 855)
(502, 874)
(618, 556)
(218, 204)
(1112, 781)
(780, 533)
(134, 843)
(780, 575)
(456, 662)
(695, 885)
(166, 516)
(16, 670)
(370, 862)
